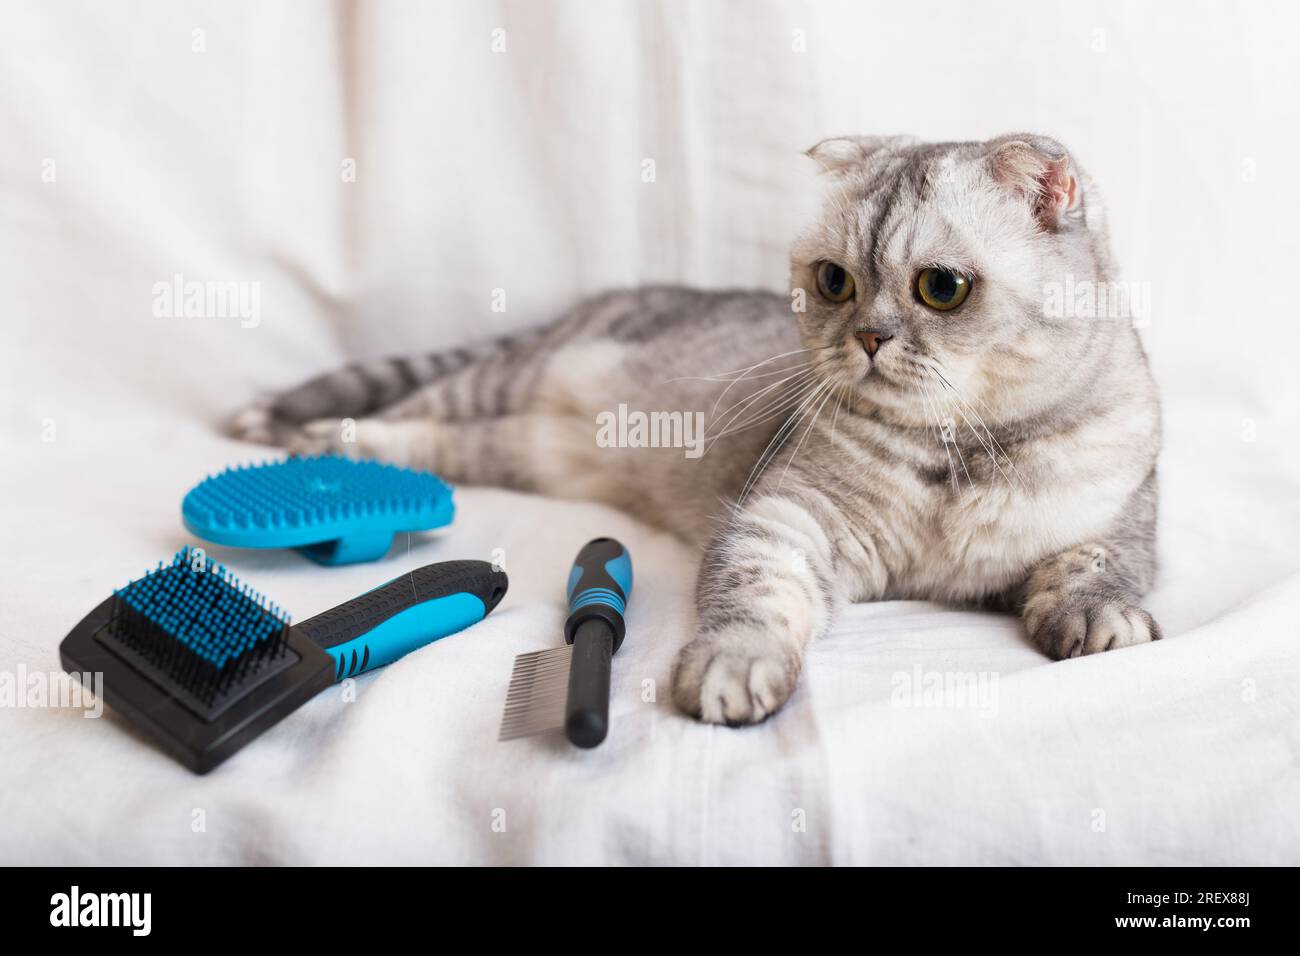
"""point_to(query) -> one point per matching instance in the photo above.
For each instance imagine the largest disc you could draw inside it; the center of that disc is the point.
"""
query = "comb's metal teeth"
(561, 653)
(542, 657)
(527, 700)
(514, 731)
(541, 705)
(520, 677)
(536, 695)
(523, 682)
(536, 692)
(513, 734)
(525, 679)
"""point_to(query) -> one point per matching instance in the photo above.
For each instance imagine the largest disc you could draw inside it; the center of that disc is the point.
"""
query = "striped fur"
(991, 455)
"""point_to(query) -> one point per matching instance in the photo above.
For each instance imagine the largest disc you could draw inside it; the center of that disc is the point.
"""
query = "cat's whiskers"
(954, 404)
(839, 403)
(983, 434)
(739, 372)
(946, 419)
(992, 446)
(797, 379)
(778, 440)
(952, 467)
(732, 380)
(798, 375)
(776, 443)
(745, 372)
(811, 423)
(769, 411)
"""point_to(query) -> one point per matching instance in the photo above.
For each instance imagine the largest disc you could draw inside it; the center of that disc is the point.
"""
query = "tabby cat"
(911, 422)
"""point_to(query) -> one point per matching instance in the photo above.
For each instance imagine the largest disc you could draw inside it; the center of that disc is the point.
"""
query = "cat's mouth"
(871, 360)
(893, 369)
(874, 348)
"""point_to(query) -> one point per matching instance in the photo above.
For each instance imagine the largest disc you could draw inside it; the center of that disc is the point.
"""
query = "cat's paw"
(734, 678)
(409, 443)
(1072, 626)
(327, 436)
(258, 424)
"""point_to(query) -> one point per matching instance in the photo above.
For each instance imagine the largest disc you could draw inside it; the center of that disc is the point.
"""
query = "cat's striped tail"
(367, 388)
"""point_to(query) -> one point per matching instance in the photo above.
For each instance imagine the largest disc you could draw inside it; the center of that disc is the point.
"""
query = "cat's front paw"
(734, 677)
(1072, 626)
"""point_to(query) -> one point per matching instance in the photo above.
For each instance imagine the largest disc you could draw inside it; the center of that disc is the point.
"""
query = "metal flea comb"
(568, 687)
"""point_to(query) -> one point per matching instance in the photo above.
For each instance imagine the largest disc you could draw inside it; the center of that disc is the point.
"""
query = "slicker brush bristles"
(192, 622)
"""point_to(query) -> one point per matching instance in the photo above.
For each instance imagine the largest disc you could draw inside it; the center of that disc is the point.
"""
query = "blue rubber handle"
(600, 584)
(408, 612)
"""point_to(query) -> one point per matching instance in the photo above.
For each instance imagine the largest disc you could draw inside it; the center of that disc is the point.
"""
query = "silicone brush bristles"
(308, 491)
(539, 686)
(194, 623)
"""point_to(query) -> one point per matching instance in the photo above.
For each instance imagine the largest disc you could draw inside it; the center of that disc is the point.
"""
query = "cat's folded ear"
(1039, 170)
(839, 154)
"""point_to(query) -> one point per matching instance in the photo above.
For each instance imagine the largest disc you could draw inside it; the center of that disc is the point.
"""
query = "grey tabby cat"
(916, 427)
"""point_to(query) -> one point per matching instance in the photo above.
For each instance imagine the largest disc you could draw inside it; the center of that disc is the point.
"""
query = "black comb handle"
(600, 584)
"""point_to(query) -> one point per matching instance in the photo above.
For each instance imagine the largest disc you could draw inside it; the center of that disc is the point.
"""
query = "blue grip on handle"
(600, 584)
(402, 633)
(410, 611)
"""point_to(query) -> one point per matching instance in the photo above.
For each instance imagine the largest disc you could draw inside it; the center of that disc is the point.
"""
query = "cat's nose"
(872, 339)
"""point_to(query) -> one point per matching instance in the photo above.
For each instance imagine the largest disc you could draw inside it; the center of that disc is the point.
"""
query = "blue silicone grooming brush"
(204, 664)
(334, 510)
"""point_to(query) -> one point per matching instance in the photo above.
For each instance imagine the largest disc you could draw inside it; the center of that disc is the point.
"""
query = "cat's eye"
(941, 289)
(834, 282)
